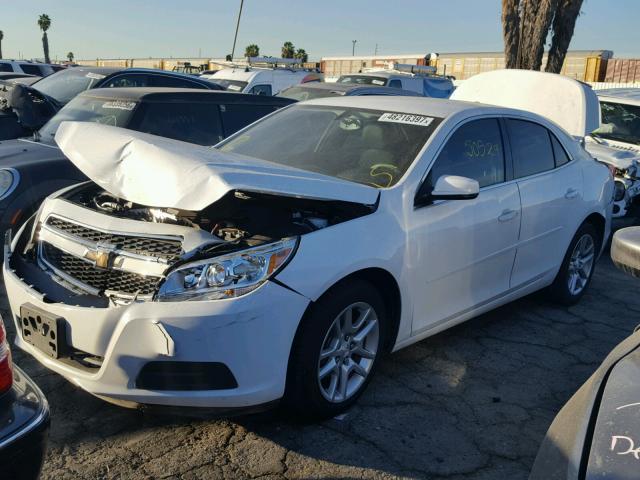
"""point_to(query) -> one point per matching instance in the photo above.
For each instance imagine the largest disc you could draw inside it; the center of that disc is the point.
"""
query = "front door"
(462, 251)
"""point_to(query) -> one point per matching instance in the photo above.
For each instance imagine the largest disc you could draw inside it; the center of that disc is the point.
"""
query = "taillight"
(6, 370)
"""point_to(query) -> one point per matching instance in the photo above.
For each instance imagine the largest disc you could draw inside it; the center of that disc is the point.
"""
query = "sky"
(188, 28)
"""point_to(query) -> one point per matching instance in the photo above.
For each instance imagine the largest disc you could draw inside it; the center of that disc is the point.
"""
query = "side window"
(172, 82)
(6, 67)
(473, 151)
(530, 147)
(559, 152)
(197, 123)
(261, 90)
(31, 70)
(124, 81)
(395, 83)
(235, 117)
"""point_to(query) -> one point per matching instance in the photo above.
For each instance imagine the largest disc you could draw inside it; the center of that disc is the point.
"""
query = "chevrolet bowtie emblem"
(101, 257)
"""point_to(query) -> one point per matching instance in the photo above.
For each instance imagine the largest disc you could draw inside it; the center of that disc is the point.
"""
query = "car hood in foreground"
(161, 172)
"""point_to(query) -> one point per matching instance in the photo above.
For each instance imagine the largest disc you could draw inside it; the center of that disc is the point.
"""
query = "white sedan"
(284, 263)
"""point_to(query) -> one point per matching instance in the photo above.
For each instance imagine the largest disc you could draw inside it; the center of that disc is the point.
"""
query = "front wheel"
(336, 350)
(577, 267)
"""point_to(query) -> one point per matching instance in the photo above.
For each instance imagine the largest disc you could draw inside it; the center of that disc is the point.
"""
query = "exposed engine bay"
(79, 261)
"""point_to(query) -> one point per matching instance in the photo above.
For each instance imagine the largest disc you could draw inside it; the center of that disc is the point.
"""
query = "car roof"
(164, 94)
(622, 93)
(348, 88)
(381, 74)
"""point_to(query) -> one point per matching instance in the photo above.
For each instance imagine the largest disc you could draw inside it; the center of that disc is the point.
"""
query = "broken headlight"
(227, 276)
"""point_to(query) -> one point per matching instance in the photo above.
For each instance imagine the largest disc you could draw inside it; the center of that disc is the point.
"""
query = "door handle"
(571, 193)
(507, 215)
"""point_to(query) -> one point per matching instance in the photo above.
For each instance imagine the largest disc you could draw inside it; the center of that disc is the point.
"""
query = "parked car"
(25, 66)
(4, 76)
(283, 263)
(617, 143)
(311, 91)
(263, 80)
(597, 433)
(31, 169)
(24, 420)
(424, 84)
(24, 109)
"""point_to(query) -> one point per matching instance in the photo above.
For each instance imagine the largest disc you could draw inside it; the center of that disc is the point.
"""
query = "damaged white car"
(284, 263)
(616, 142)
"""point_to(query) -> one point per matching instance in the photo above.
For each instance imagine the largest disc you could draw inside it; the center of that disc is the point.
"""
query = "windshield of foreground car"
(231, 85)
(363, 80)
(303, 93)
(373, 147)
(108, 111)
(619, 122)
(64, 85)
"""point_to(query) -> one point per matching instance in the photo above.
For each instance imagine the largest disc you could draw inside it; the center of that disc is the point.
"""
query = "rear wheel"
(577, 267)
(336, 350)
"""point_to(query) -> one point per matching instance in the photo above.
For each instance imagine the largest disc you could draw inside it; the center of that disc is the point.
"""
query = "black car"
(26, 108)
(596, 435)
(24, 420)
(31, 169)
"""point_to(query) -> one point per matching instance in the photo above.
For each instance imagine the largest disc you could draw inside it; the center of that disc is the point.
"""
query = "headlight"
(9, 178)
(227, 276)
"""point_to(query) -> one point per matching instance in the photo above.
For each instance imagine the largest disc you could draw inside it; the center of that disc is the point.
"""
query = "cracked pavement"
(473, 402)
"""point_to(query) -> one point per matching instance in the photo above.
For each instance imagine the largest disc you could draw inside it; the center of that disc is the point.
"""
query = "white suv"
(23, 66)
(285, 262)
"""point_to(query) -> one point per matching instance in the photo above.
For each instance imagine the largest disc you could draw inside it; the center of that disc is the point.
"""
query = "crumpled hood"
(618, 158)
(161, 172)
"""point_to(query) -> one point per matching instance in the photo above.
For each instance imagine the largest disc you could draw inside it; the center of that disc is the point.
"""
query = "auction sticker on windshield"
(95, 76)
(406, 118)
(119, 105)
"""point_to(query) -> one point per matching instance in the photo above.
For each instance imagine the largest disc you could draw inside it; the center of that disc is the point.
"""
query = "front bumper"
(252, 335)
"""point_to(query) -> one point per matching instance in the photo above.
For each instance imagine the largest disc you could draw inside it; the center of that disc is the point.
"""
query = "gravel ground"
(471, 403)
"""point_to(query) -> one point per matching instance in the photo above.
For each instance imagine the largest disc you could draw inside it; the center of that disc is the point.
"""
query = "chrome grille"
(100, 279)
(155, 247)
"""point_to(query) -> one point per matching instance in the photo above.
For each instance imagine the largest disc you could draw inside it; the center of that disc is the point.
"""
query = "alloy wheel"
(581, 264)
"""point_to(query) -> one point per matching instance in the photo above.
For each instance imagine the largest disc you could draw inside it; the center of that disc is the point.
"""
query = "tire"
(306, 395)
(561, 290)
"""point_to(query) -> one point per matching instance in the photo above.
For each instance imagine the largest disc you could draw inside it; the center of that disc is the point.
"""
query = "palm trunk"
(537, 17)
(0, 48)
(510, 32)
(563, 25)
(45, 47)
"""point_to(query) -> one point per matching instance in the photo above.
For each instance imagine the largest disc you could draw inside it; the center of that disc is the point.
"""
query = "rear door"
(462, 251)
(550, 187)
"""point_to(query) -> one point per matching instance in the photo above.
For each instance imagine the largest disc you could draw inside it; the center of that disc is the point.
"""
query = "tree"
(44, 22)
(252, 50)
(563, 25)
(525, 28)
(70, 56)
(301, 54)
(288, 50)
(1, 38)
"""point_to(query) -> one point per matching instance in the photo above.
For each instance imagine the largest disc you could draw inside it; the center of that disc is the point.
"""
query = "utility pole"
(353, 48)
(233, 49)
(376, 50)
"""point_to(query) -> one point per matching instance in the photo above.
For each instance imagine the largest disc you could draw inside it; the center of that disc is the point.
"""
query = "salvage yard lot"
(471, 403)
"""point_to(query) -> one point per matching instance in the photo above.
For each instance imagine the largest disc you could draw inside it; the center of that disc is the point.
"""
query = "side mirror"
(625, 250)
(448, 187)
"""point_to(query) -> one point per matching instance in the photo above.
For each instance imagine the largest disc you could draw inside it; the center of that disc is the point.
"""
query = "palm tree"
(1, 37)
(288, 50)
(44, 22)
(252, 50)
(511, 31)
(563, 25)
(301, 54)
(70, 56)
(536, 21)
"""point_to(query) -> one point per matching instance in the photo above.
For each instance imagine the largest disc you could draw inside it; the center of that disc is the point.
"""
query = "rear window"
(363, 80)
(231, 85)
(6, 67)
(305, 93)
(31, 69)
(372, 147)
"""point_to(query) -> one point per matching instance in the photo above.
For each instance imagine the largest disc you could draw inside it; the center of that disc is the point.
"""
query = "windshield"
(108, 111)
(363, 80)
(231, 85)
(619, 122)
(372, 147)
(64, 85)
(303, 93)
